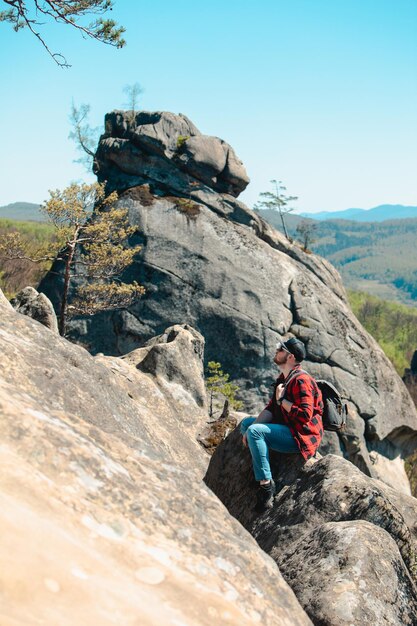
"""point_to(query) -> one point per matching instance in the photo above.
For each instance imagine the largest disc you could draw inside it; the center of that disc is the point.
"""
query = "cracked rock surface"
(209, 261)
(104, 518)
(344, 542)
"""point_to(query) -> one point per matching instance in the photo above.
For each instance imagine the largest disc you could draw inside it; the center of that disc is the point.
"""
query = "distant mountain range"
(380, 258)
(377, 214)
(22, 211)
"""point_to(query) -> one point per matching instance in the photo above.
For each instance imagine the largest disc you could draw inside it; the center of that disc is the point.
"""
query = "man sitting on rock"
(290, 423)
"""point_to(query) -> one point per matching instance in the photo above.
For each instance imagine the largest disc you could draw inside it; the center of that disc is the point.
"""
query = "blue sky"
(321, 94)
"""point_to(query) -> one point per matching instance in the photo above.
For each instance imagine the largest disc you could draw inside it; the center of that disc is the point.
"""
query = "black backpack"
(335, 411)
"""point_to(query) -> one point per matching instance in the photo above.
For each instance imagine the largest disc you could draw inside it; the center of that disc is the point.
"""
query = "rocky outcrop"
(103, 517)
(99, 456)
(29, 302)
(345, 543)
(209, 261)
(167, 151)
(175, 358)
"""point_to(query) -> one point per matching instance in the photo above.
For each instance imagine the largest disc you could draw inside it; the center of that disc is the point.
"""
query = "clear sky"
(321, 94)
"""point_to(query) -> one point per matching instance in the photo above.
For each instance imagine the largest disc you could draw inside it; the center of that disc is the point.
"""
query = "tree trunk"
(67, 278)
(283, 224)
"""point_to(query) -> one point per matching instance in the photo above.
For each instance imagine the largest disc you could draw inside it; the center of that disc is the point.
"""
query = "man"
(291, 422)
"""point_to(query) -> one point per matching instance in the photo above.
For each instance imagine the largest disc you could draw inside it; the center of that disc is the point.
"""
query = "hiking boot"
(265, 496)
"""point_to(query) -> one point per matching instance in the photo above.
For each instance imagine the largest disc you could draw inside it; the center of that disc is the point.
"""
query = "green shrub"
(181, 141)
(189, 208)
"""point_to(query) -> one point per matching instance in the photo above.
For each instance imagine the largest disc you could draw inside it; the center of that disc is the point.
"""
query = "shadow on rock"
(344, 542)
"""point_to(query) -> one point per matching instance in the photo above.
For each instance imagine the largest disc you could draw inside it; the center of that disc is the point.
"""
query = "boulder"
(29, 302)
(230, 476)
(175, 360)
(148, 147)
(153, 132)
(204, 158)
(345, 543)
(340, 576)
(103, 517)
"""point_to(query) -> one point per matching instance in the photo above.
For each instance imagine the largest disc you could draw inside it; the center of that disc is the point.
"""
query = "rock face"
(161, 148)
(29, 302)
(103, 516)
(209, 261)
(345, 543)
(357, 586)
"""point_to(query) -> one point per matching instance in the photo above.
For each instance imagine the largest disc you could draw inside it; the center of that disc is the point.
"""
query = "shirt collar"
(294, 369)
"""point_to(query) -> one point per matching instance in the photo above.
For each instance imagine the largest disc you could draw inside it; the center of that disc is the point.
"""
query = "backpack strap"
(292, 375)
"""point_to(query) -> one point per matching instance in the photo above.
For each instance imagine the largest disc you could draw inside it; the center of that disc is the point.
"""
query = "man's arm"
(264, 417)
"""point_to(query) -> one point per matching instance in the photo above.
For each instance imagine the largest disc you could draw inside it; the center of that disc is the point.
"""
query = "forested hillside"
(377, 257)
(15, 274)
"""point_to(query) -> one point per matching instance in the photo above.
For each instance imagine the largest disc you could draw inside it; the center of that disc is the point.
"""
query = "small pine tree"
(218, 384)
(277, 201)
(306, 230)
(133, 92)
(85, 136)
(92, 234)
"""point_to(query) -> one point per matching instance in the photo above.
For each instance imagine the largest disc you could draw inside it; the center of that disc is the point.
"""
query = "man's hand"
(245, 441)
(281, 400)
(280, 391)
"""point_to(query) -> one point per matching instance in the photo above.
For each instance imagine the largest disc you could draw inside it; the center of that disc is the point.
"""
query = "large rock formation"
(104, 518)
(345, 543)
(103, 515)
(209, 261)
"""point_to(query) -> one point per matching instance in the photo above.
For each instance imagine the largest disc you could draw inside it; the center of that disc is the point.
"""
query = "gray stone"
(204, 158)
(37, 306)
(230, 476)
(332, 490)
(147, 147)
(347, 580)
(155, 132)
(175, 358)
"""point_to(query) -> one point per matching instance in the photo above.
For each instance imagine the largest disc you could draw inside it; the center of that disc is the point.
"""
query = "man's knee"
(255, 431)
(245, 424)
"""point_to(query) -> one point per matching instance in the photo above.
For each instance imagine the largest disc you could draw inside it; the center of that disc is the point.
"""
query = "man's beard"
(280, 360)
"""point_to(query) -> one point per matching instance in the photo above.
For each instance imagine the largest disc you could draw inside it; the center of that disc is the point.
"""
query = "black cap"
(296, 347)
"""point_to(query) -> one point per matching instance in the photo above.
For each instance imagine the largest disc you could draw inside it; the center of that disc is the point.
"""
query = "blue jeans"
(263, 436)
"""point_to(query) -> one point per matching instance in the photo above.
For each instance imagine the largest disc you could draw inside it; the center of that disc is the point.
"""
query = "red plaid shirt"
(304, 419)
